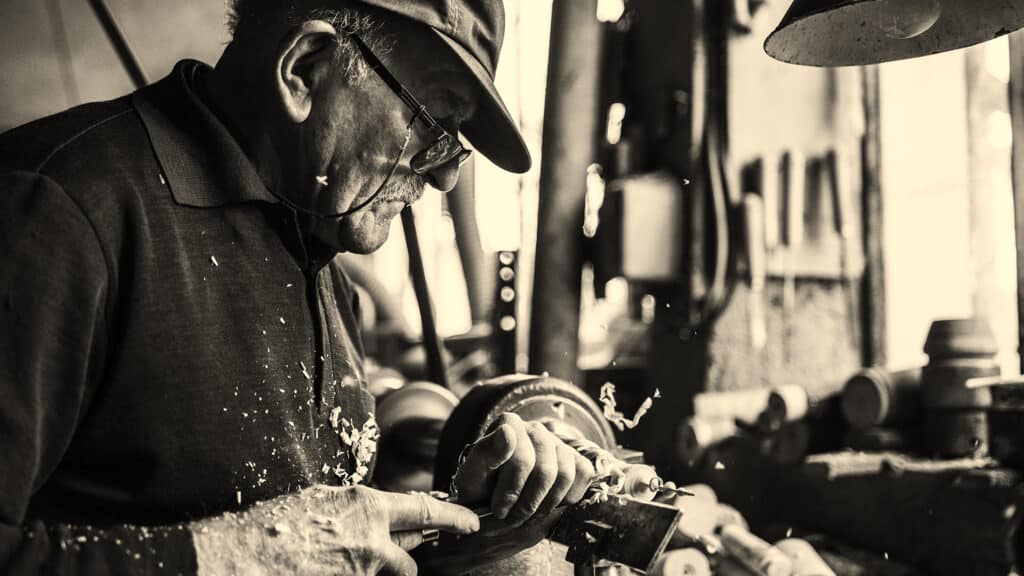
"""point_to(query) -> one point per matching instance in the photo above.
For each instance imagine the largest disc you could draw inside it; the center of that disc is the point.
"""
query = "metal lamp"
(859, 32)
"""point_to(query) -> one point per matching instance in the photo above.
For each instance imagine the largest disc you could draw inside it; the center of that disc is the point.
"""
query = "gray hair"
(247, 14)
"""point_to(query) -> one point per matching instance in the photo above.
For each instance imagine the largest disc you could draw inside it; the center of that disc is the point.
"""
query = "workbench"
(941, 517)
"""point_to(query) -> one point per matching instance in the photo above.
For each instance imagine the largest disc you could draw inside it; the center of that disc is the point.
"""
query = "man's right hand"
(326, 530)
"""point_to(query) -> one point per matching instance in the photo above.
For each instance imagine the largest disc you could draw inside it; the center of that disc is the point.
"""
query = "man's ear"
(303, 60)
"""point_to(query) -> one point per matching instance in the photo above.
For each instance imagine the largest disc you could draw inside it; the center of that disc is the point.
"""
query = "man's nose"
(445, 176)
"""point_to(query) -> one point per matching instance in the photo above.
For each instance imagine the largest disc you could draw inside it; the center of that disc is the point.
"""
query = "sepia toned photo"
(489, 287)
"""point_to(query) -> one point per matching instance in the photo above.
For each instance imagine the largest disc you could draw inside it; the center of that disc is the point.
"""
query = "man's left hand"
(525, 476)
(522, 471)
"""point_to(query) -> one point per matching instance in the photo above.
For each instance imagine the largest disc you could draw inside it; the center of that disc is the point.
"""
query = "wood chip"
(611, 413)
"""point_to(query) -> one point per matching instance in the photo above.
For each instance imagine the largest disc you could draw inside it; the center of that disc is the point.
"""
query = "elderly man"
(182, 387)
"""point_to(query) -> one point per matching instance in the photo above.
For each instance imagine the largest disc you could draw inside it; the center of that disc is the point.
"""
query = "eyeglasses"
(445, 147)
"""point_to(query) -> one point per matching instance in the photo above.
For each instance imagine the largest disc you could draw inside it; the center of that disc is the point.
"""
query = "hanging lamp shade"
(859, 32)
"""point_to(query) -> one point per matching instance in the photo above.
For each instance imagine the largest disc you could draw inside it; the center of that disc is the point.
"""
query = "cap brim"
(491, 130)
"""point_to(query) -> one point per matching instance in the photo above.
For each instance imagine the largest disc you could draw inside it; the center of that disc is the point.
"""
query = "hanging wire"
(120, 43)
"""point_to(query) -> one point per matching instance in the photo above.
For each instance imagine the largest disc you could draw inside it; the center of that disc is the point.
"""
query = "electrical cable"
(715, 157)
(715, 299)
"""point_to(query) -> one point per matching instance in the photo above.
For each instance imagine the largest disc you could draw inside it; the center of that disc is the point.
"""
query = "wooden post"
(477, 265)
(873, 286)
(1017, 114)
(431, 341)
(570, 145)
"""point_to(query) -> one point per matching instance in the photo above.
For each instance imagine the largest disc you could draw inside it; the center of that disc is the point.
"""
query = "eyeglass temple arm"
(377, 66)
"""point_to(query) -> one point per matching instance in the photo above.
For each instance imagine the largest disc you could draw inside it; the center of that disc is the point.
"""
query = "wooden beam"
(1017, 114)
(570, 145)
(873, 282)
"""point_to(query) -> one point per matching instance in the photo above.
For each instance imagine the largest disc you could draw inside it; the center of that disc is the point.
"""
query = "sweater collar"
(202, 162)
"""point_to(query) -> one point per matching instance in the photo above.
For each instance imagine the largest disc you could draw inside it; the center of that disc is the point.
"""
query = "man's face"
(354, 135)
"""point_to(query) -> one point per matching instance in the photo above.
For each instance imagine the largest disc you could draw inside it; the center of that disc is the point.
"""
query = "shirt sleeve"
(54, 282)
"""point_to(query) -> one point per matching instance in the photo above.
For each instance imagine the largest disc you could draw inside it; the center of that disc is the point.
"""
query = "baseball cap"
(473, 30)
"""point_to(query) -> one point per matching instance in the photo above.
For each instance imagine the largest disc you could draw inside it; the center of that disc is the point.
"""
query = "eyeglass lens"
(444, 149)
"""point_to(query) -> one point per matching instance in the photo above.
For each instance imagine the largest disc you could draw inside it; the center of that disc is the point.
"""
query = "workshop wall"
(927, 200)
(774, 108)
(56, 55)
(947, 225)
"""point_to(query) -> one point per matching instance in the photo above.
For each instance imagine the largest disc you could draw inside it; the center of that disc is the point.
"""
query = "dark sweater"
(171, 346)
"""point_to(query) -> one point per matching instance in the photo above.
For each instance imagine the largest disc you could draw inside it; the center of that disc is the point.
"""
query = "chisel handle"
(753, 211)
(796, 189)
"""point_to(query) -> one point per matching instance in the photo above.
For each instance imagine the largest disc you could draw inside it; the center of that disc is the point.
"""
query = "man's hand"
(522, 471)
(326, 530)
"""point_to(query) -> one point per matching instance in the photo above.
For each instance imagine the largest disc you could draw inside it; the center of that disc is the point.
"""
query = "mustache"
(408, 189)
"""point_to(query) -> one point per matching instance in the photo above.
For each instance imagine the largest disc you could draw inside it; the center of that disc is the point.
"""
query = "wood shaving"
(605, 487)
(598, 494)
(617, 418)
(340, 472)
(453, 489)
(361, 444)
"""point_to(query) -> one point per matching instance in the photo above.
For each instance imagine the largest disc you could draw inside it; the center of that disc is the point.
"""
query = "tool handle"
(689, 561)
(754, 218)
(796, 188)
(697, 434)
(786, 403)
(770, 197)
(759, 556)
(744, 404)
(806, 561)
(839, 181)
(753, 211)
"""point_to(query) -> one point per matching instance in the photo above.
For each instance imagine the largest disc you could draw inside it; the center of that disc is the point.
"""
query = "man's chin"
(359, 235)
(365, 245)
